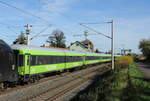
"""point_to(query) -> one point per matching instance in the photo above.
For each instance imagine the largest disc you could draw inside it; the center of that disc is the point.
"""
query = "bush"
(135, 57)
(124, 61)
(144, 46)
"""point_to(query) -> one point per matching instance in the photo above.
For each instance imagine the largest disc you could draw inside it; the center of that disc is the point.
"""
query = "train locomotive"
(8, 71)
(22, 63)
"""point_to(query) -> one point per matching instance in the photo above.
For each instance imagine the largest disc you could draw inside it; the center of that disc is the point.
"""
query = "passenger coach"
(32, 60)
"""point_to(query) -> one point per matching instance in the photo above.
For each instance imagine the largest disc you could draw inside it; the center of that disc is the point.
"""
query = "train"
(23, 63)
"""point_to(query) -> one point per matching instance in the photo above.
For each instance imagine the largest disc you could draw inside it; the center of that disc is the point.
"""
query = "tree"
(135, 57)
(57, 39)
(97, 51)
(21, 39)
(144, 46)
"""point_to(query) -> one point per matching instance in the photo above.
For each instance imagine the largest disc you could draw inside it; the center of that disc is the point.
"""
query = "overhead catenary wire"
(15, 26)
(23, 11)
(30, 14)
(103, 22)
(65, 16)
(95, 30)
(8, 27)
(12, 30)
(40, 32)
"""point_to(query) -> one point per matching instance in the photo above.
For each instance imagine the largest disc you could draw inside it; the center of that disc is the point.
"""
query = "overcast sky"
(131, 18)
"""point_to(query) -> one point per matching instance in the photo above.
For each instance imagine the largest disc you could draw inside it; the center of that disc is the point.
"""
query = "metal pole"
(28, 39)
(112, 44)
(27, 31)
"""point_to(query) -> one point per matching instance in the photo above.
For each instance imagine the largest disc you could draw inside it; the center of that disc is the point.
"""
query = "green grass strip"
(140, 86)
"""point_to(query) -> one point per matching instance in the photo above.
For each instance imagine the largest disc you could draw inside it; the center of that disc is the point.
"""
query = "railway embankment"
(125, 83)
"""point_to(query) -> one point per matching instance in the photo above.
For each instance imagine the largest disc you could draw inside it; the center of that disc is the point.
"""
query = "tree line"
(56, 39)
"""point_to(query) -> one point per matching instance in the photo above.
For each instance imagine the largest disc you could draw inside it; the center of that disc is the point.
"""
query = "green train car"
(22, 63)
(32, 61)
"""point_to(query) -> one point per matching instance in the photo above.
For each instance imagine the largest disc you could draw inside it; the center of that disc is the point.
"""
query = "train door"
(27, 63)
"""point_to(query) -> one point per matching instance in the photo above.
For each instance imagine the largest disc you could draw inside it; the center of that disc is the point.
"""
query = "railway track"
(55, 88)
(17, 87)
(62, 93)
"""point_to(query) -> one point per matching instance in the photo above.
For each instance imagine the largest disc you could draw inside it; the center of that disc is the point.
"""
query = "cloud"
(56, 5)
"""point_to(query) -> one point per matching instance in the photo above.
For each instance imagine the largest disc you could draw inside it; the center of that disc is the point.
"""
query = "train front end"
(8, 70)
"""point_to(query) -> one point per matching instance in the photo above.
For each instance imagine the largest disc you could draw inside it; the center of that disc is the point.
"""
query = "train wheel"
(32, 80)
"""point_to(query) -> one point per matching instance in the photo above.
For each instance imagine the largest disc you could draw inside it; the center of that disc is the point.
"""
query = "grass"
(107, 87)
(139, 86)
(120, 85)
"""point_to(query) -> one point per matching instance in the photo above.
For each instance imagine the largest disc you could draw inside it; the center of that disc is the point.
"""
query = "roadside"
(138, 87)
(145, 69)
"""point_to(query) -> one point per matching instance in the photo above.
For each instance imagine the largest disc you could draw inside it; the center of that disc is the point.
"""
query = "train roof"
(4, 47)
(37, 48)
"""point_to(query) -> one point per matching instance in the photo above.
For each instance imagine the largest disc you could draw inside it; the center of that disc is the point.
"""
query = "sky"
(131, 20)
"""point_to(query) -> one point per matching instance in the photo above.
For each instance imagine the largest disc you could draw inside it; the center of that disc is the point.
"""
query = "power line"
(28, 13)
(104, 22)
(12, 30)
(86, 34)
(23, 11)
(44, 35)
(15, 26)
(60, 13)
(8, 27)
(40, 32)
(95, 30)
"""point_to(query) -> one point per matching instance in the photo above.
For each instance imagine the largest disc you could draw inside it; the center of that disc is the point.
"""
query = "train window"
(33, 60)
(96, 57)
(92, 57)
(44, 60)
(74, 58)
(21, 60)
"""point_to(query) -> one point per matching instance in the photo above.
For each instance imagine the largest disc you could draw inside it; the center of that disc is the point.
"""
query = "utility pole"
(85, 34)
(27, 32)
(112, 43)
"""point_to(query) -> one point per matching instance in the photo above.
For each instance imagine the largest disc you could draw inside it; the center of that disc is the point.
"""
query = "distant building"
(89, 44)
(84, 46)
